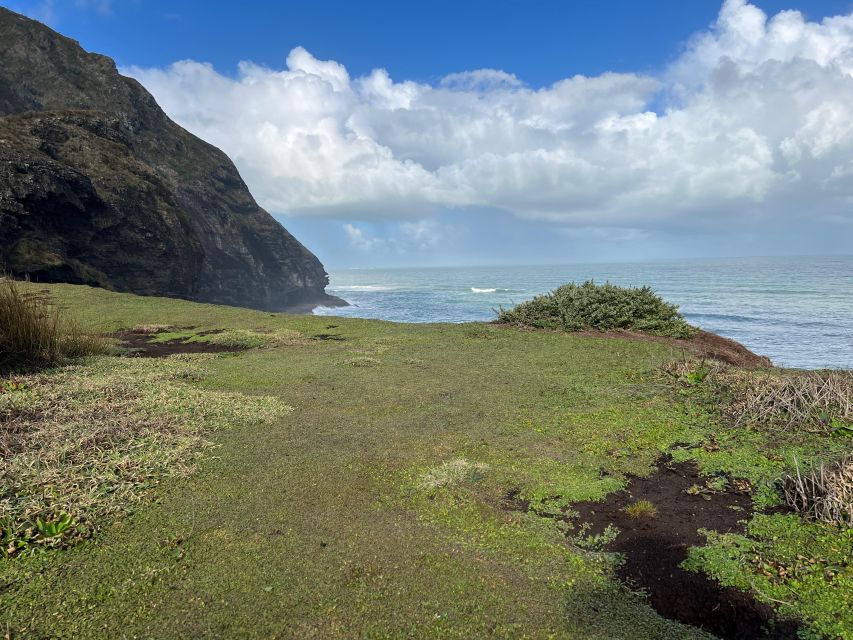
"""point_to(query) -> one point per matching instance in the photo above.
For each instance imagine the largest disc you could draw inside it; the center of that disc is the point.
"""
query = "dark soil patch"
(655, 546)
(328, 336)
(140, 344)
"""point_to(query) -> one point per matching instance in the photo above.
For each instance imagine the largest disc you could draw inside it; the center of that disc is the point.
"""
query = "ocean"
(797, 311)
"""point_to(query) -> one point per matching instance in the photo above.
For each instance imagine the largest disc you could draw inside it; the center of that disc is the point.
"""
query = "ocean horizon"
(798, 311)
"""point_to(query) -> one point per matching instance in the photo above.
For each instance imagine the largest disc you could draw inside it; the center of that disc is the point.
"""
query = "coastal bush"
(578, 307)
(34, 333)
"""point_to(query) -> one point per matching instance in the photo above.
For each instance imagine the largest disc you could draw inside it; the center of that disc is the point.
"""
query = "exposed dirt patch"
(139, 342)
(655, 545)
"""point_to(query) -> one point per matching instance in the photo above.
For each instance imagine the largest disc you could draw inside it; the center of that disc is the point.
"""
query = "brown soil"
(140, 344)
(655, 546)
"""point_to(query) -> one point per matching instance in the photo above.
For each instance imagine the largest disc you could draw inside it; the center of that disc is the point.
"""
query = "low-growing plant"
(824, 493)
(641, 510)
(34, 333)
(607, 307)
(81, 443)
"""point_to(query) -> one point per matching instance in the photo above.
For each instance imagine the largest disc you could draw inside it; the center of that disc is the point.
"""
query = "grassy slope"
(318, 525)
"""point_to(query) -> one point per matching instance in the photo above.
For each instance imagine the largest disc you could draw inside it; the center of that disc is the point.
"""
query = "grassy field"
(356, 484)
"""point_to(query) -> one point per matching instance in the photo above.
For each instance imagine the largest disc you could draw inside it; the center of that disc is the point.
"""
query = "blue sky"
(403, 133)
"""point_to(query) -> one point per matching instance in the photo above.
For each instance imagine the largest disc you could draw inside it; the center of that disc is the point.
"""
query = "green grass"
(379, 506)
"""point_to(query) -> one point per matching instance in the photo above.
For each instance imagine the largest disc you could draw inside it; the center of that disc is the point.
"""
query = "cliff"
(98, 186)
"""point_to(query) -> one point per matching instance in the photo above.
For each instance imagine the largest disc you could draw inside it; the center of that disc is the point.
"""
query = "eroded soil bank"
(654, 546)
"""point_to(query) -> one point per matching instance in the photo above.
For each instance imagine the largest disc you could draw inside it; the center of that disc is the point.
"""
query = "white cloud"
(412, 235)
(756, 123)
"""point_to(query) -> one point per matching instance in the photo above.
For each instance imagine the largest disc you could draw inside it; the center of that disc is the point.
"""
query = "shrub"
(576, 307)
(34, 333)
(824, 493)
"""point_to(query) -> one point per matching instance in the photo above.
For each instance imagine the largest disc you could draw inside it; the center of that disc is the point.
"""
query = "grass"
(607, 307)
(86, 442)
(36, 334)
(378, 506)
(641, 510)
(802, 568)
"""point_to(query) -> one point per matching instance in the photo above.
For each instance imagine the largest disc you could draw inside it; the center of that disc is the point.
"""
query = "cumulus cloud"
(754, 120)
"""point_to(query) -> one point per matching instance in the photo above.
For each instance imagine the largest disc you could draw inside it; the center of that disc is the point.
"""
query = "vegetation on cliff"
(433, 489)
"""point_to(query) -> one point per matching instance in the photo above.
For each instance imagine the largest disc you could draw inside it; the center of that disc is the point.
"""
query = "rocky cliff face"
(99, 186)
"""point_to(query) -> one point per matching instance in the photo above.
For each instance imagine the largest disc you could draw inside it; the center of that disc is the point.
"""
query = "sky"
(510, 131)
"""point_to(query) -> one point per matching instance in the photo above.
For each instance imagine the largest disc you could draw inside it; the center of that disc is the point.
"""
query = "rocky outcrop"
(99, 186)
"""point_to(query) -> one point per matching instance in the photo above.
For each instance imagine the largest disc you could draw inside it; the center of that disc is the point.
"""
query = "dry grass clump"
(34, 333)
(816, 400)
(824, 493)
(641, 510)
(85, 442)
(453, 472)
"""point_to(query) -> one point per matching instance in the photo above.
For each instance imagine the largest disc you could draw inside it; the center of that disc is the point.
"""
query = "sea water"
(798, 311)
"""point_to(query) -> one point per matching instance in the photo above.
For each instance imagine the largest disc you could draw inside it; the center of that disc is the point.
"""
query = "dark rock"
(98, 186)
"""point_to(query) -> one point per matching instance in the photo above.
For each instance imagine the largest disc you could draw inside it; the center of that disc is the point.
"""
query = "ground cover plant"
(605, 307)
(88, 441)
(788, 432)
(423, 495)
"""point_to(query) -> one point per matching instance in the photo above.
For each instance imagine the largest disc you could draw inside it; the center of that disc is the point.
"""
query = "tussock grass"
(86, 442)
(607, 307)
(34, 333)
(824, 493)
(641, 510)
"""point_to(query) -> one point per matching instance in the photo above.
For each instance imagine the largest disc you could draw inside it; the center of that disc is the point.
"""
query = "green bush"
(576, 307)
(34, 333)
